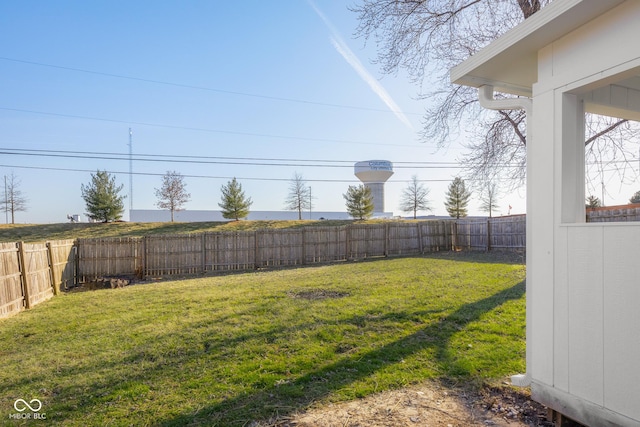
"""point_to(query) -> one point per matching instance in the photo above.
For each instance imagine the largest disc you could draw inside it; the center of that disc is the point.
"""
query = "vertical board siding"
(403, 239)
(279, 247)
(11, 295)
(366, 240)
(228, 251)
(31, 273)
(167, 255)
(324, 244)
(114, 256)
(624, 213)
(174, 254)
(508, 232)
(37, 273)
(63, 265)
(436, 235)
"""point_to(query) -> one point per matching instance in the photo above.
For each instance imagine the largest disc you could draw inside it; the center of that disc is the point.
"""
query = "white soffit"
(510, 63)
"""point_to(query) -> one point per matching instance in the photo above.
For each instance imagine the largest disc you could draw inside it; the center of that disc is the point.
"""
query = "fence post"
(420, 244)
(304, 247)
(256, 248)
(143, 258)
(346, 242)
(76, 262)
(24, 275)
(386, 239)
(488, 234)
(52, 270)
(204, 252)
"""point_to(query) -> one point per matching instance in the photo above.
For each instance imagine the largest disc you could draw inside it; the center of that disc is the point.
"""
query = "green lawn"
(226, 350)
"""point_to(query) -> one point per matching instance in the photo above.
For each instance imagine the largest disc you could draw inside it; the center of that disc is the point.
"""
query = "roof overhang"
(510, 63)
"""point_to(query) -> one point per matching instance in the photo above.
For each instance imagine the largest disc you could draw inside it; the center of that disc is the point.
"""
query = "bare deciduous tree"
(489, 198)
(414, 197)
(299, 197)
(426, 38)
(173, 194)
(13, 201)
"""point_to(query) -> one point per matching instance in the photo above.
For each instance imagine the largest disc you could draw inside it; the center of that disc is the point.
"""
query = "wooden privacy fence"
(33, 272)
(622, 213)
(185, 254)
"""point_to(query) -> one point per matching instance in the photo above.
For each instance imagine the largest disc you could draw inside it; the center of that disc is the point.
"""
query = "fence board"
(279, 247)
(11, 295)
(509, 232)
(63, 265)
(436, 235)
(36, 273)
(622, 213)
(324, 244)
(227, 251)
(174, 254)
(245, 250)
(403, 239)
(366, 240)
(114, 256)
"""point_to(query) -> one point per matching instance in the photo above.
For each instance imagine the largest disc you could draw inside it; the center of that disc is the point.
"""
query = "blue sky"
(204, 79)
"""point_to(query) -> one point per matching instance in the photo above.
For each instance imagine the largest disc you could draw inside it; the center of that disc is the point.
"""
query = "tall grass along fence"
(154, 256)
(33, 272)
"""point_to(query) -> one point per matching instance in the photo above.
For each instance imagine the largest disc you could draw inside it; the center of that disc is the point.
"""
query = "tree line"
(104, 203)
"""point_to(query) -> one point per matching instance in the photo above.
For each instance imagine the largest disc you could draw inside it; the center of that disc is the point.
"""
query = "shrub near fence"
(31, 273)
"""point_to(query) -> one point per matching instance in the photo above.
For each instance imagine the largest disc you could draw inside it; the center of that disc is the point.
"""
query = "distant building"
(156, 215)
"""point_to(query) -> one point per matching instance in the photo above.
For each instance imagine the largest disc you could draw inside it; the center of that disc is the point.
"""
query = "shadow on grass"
(492, 257)
(298, 394)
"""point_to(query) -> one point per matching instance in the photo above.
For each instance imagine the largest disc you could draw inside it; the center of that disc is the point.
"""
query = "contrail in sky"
(348, 55)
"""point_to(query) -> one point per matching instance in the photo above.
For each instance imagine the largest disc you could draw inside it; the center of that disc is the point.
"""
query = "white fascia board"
(509, 63)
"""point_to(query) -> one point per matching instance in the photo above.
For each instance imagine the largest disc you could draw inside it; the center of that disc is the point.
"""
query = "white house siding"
(584, 278)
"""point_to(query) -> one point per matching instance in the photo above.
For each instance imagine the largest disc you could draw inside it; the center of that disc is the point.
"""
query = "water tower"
(373, 174)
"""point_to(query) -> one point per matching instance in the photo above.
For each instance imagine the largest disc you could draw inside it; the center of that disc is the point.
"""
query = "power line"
(209, 176)
(221, 131)
(204, 88)
(251, 161)
(207, 162)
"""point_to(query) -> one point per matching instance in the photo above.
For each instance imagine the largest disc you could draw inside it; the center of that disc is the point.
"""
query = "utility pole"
(310, 198)
(130, 171)
(6, 204)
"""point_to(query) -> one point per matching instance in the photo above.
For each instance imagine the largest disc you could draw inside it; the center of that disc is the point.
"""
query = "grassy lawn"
(227, 350)
(61, 231)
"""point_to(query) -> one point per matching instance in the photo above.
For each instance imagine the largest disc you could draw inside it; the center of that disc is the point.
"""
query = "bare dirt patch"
(317, 294)
(429, 404)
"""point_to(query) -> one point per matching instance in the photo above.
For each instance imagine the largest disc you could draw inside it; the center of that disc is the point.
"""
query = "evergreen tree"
(235, 204)
(635, 198)
(593, 202)
(457, 199)
(359, 201)
(173, 194)
(102, 198)
(414, 197)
